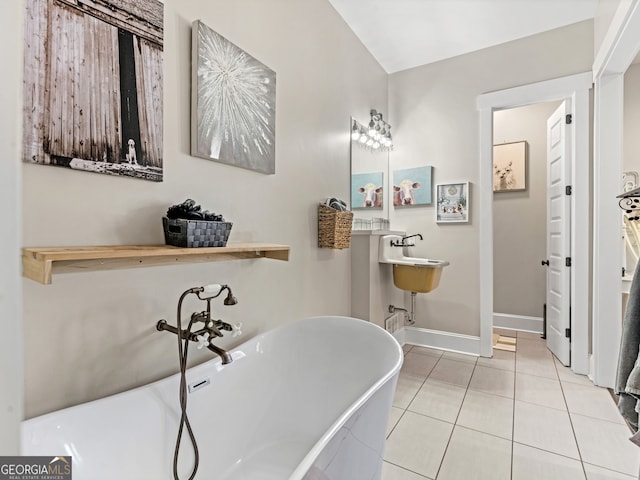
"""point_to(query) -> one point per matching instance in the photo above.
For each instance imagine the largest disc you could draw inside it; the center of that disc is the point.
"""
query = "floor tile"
(487, 413)
(407, 387)
(533, 464)
(566, 375)
(606, 444)
(492, 380)
(540, 365)
(539, 390)
(394, 416)
(545, 428)
(501, 359)
(453, 372)
(418, 443)
(434, 352)
(438, 400)
(591, 401)
(477, 394)
(393, 472)
(532, 345)
(529, 336)
(460, 357)
(476, 456)
(419, 365)
(599, 473)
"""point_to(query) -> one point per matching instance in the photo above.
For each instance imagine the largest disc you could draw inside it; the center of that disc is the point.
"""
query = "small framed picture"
(452, 202)
(510, 167)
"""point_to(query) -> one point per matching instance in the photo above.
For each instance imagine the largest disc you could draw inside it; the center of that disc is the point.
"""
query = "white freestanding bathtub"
(309, 400)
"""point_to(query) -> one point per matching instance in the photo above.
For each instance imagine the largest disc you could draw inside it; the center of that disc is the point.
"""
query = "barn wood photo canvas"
(93, 86)
(233, 105)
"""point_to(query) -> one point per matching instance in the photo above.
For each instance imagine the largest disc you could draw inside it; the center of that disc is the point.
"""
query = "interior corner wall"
(605, 13)
(93, 334)
(435, 120)
(11, 339)
(520, 218)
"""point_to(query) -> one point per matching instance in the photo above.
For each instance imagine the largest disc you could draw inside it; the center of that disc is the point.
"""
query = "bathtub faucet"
(212, 328)
(203, 336)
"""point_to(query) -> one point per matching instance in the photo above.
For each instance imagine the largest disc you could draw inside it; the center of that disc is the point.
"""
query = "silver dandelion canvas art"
(233, 104)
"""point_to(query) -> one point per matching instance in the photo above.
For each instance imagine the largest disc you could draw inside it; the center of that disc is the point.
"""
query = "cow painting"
(403, 193)
(372, 196)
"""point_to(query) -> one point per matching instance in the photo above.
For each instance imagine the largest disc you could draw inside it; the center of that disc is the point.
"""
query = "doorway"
(520, 217)
(576, 88)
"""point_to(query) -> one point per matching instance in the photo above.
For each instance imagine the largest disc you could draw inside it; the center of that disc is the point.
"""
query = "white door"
(559, 234)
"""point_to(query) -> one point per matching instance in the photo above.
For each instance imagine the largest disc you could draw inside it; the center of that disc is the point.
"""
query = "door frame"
(619, 47)
(575, 87)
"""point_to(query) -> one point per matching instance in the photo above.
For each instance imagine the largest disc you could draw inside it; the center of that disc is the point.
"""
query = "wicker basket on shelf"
(334, 228)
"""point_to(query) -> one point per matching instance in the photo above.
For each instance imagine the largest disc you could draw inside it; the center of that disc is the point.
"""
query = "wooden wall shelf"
(39, 264)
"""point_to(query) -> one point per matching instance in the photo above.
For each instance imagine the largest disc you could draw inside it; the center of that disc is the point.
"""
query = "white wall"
(11, 354)
(605, 14)
(631, 140)
(433, 112)
(93, 334)
(520, 218)
(631, 159)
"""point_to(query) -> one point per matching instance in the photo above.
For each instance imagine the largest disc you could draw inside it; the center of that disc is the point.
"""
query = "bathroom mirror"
(369, 182)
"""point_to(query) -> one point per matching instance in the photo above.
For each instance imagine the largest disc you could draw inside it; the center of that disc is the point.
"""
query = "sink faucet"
(403, 241)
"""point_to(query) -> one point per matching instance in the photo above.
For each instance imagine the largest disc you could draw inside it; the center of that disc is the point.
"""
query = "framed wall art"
(93, 86)
(510, 167)
(452, 202)
(412, 186)
(233, 104)
(367, 190)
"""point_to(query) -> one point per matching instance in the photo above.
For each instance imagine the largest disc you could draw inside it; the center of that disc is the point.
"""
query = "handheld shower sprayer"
(214, 290)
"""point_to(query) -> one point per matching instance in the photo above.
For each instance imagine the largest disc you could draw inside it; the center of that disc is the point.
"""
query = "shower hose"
(184, 419)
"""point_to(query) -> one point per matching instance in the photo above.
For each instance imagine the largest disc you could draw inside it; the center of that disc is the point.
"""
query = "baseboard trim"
(518, 322)
(453, 342)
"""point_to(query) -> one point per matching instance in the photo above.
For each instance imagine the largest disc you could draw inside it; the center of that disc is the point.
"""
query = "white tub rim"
(308, 460)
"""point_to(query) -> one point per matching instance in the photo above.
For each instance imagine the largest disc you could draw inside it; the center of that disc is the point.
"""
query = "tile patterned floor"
(516, 416)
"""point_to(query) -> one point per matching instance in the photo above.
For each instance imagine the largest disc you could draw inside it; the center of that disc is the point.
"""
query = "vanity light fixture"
(375, 136)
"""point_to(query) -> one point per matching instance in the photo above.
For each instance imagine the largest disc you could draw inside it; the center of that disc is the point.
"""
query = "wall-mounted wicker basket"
(334, 228)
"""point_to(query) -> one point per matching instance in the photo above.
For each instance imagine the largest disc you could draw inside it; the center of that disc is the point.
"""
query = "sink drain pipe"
(409, 316)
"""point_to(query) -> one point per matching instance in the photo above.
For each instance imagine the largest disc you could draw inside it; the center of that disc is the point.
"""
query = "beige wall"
(93, 334)
(11, 356)
(519, 218)
(435, 121)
